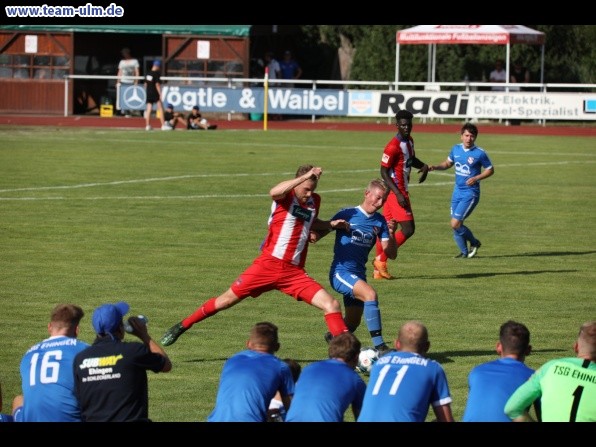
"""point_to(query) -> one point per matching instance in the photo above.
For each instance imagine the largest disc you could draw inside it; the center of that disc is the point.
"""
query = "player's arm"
(522, 398)
(386, 176)
(422, 168)
(280, 190)
(484, 174)
(441, 166)
(287, 401)
(139, 329)
(329, 225)
(443, 413)
(316, 236)
(321, 228)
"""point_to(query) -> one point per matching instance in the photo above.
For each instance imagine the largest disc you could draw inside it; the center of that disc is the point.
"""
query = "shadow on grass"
(441, 357)
(446, 357)
(223, 359)
(542, 253)
(521, 272)
(486, 275)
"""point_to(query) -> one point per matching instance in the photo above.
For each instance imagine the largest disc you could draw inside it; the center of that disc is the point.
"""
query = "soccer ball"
(366, 359)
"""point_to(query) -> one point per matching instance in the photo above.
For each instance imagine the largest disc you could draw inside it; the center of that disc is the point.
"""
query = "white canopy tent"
(467, 34)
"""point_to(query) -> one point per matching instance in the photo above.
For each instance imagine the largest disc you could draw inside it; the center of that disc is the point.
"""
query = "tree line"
(367, 52)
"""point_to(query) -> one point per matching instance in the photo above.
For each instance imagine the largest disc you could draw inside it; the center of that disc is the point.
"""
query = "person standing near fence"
(290, 68)
(128, 71)
(153, 91)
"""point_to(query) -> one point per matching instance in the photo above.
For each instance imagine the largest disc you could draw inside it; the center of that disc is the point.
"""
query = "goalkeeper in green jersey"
(565, 386)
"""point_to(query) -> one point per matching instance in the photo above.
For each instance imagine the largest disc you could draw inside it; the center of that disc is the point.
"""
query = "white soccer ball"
(366, 359)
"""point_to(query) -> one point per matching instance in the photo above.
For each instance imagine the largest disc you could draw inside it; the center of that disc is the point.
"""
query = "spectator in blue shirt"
(290, 69)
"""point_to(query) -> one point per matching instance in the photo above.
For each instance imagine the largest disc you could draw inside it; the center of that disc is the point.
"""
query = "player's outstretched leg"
(207, 309)
(172, 334)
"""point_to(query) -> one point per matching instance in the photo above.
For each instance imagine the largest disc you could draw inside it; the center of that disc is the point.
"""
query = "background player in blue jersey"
(47, 378)
(405, 383)
(347, 274)
(492, 383)
(469, 160)
(250, 378)
(326, 389)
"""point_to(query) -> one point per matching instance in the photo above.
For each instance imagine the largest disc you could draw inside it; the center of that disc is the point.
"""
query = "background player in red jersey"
(280, 266)
(398, 158)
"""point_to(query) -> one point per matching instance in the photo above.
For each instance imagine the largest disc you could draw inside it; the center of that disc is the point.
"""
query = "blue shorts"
(343, 282)
(462, 206)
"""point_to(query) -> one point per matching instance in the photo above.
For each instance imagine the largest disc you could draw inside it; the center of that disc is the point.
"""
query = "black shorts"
(152, 98)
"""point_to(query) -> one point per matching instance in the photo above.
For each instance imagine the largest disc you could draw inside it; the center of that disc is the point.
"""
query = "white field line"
(448, 173)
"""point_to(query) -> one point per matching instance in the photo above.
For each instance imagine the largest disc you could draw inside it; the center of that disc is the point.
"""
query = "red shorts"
(392, 209)
(268, 273)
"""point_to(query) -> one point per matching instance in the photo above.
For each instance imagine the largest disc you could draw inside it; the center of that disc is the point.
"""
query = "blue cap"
(157, 62)
(108, 317)
(169, 105)
(195, 107)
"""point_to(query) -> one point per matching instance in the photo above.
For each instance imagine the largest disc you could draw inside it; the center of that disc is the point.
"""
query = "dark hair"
(403, 114)
(344, 346)
(294, 367)
(470, 128)
(514, 337)
(264, 333)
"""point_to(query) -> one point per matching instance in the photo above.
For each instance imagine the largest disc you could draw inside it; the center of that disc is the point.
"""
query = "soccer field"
(166, 220)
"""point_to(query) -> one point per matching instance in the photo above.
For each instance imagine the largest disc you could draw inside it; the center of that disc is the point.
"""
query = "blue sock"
(372, 315)
(460, 240)
(468, 236)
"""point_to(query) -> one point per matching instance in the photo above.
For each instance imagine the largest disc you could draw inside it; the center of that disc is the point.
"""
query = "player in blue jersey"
(403, 384)
(469, 161)
(492, 383)
(326, 389)
(250, 378)
(47, 379)
(347, 274)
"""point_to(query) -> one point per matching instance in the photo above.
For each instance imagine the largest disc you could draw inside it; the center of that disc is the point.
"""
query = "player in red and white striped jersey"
(280, 266)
